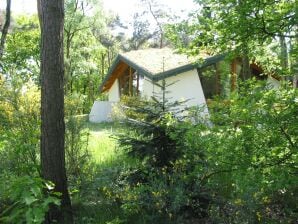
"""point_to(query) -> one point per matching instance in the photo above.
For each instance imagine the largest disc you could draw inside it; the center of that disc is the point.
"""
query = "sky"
(124, 8)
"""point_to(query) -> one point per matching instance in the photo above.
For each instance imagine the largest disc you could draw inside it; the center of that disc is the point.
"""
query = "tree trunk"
(245, 72)
(109, 58)
(158, 24)
(102, 66)
(283, 53)
(284, 56)
(51, 13)
(294, 60)
(5, 28)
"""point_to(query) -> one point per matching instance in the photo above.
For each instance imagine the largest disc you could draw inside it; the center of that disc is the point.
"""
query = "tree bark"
(245, 72)
(284, 60)
(51, 13)
(294, 60)
(283, 53)
(102, 66)
(5, 28)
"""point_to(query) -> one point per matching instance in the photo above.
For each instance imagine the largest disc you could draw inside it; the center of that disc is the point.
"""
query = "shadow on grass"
(96, 206)
(92, 203)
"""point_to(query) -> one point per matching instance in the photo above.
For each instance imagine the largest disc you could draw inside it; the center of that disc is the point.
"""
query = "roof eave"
(173, 72)
(119, 58)
(207, 62)
(138, 68)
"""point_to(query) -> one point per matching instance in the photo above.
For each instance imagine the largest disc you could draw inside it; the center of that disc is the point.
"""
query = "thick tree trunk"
(5, 28)
(51, 14)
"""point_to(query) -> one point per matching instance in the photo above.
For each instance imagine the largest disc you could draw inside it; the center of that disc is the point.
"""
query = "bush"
(149, 126)
(77, 156)
(251, 151)
(25, 199)
(164, 186)
(19, 131)
(240, 167)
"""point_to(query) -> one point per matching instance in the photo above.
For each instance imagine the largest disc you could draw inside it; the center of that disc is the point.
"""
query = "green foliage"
(241, 28)
(19, 141)
(237, 168)
(150, 124)
(22, 55)
(25, 199)
(229, 23)
(252, 154)
(88, 48)
(163, 186)
(78, 158)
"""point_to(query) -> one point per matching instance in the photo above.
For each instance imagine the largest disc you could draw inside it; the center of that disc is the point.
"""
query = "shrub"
(240, 167)
(149, 125)
(25, 199)
(77, 156)
(251, 151)
(19, 131)
(164, 186)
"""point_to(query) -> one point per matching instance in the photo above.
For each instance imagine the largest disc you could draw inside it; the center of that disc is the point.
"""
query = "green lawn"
(101, 144)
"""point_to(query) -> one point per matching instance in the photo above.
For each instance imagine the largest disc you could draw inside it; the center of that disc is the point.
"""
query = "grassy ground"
(101, 144)
(107, 157)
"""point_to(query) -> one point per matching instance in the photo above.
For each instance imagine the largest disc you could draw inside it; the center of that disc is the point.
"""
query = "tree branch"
(5, 28)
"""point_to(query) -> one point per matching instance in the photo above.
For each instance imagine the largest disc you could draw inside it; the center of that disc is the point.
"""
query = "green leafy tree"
(21, 57)
(19, 141)
(251, 150)
(160, 15)
(89, 48)
(149, 136)
(28, 199)
(162, 186)
(141, 32)
(244, 28)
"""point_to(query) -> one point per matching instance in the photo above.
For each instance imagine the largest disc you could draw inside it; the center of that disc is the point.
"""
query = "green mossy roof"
(157, 64)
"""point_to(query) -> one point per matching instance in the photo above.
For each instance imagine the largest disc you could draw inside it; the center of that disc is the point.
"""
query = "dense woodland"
(150, 165)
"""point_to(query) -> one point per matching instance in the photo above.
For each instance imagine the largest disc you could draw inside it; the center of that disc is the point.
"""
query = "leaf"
(29, 200)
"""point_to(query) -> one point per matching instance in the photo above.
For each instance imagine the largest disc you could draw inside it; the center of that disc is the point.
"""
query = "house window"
(129, 82)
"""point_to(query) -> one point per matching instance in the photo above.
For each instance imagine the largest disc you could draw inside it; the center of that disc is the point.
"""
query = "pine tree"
(150, 124)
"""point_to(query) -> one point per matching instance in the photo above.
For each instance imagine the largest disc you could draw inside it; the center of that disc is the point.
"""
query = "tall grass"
(102, 147)
(107, 160)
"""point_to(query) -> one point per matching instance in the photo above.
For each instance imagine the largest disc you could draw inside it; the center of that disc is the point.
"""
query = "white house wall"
(275, 84)
(147, 88)
(101, 111)
(185, 86)
(114, 95)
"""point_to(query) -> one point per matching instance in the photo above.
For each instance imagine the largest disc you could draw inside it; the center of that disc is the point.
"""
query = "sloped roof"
(157, 64)
(156, 61)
